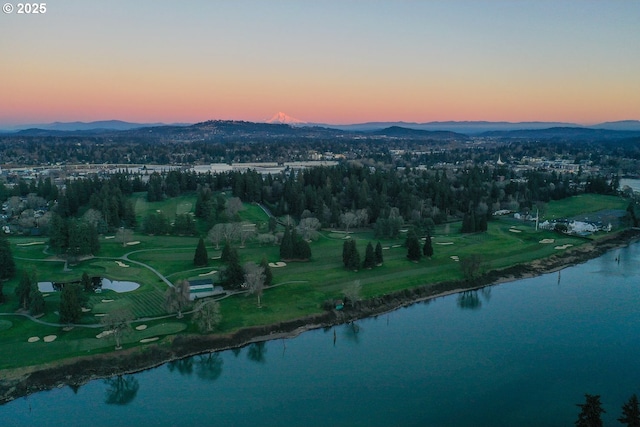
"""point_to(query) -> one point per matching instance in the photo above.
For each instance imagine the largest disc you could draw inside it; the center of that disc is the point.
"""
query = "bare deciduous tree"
(308, 228)
(207, 315)
(216, 234)
(176, 298)
(247, 231)
(118, 322)
(352, 292)
(348, 219)
(231, 231)
(233, 206)
(362, 217)
(254, 279)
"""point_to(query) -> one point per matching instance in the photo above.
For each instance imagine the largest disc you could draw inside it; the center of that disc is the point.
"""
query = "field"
(300, 287)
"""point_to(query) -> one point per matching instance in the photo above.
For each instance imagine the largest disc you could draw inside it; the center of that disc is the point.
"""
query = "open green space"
(300, 288)
(582, 204)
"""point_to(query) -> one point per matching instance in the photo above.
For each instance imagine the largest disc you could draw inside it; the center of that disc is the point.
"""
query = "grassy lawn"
(582, 204)
(300, 289)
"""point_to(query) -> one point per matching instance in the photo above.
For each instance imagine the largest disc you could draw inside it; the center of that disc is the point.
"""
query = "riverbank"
(75, 372)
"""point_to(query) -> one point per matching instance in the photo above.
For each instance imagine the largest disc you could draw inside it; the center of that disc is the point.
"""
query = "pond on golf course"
(119, 286)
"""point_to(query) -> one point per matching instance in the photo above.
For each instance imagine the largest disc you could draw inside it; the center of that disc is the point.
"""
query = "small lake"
(518, 354)
(114, 285)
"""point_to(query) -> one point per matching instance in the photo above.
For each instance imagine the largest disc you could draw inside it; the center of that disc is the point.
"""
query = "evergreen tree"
(590, 412)
(346, 252)
(201, 258)
(353, 256)
(301, 248)
(86, 283)
(7, 265)
(631, 412)
(268, 274)
(23, 290)
(427, 249)
(36, 305)
(233, 274)
(369, 257)
(58, 236)
(286, 246)
(378, 254)
(70, 306)
(413, 247)
(224, 256)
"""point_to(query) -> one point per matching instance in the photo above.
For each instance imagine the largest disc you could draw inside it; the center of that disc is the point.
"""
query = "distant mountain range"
(282, 125)
(479, 127)
(87, 126)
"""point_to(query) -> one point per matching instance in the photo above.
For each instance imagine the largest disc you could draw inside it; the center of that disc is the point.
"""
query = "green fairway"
(582, 204)
(169, 207)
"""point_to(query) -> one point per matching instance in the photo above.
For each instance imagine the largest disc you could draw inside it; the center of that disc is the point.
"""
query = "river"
(517, 354)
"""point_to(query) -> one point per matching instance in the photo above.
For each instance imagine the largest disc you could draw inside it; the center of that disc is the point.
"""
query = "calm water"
(518, 354)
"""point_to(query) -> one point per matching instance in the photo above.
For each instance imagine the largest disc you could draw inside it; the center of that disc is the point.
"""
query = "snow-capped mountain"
(282, 118)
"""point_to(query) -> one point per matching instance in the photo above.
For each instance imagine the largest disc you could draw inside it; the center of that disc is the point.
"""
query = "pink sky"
(334, 62)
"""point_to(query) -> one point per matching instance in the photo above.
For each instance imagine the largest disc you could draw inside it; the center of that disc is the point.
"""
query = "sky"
(321, 61)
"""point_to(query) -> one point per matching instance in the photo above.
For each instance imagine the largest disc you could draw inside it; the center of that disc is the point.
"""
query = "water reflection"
(352, 332)
(471, 299)
(182, 366)
(209, 366)
(74, 388)
(121, 390)
(257, 351)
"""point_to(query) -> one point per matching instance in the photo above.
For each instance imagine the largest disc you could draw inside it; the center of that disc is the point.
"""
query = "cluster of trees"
(157, 223)
(293, 247)
(29, 296)
(591, 411)
(351, 255)
(7, 264)
(75, 237)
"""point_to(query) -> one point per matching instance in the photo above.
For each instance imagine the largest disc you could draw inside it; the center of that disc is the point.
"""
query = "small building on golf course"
(201, 288)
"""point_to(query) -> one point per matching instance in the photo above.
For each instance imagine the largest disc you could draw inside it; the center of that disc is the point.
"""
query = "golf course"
(298, 289)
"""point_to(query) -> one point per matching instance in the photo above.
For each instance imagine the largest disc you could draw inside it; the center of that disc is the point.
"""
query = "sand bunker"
(563, 247)
(135, 242)
(346, 237)
(149, 339)
(122, 264)
(107, 300)
(513, 230)
(209, 273)
(141, 327)
(547, 241)
(100, 314)
(455, 258)
(50, 338)
(386, 248)
(33, 339)
(396, 246)
(104, 334)
(277, 264)
(444, 243)
(30, 244)
(109, 237)
(85, 310)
